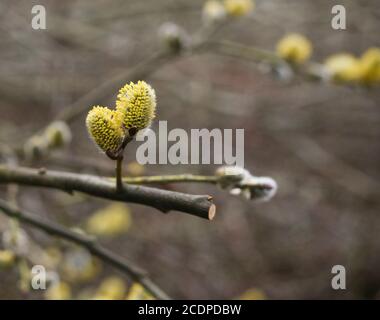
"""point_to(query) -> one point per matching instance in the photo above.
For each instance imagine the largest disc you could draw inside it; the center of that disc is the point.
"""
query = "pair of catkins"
(135, 109)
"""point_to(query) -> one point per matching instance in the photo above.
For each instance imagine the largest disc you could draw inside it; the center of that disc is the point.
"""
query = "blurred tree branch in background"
(87, 242)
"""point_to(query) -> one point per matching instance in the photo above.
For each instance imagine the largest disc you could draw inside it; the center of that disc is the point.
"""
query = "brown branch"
(87, 242)
(163, 200)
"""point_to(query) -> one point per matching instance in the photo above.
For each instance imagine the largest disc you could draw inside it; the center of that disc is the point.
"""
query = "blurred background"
(319, 140)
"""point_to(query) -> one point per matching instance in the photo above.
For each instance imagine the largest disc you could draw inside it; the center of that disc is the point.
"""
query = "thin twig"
(110, 86)
(171, 179)
(259, 187)
(87, 242)
(310, 70)
(139, 71)
(163, 200)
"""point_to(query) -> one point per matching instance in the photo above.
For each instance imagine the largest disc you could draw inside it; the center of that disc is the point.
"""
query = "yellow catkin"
(213, 10)
(135, 169)
(105, 128)
(294, 48)
(112, 220)
(79, 266)
(252, 294)
(138, 292)
(237, 8)
(57, 134)
(343, 67)
(59, 291)
(7, 258)
(370, 66)
(111, 288)
(137, 104)
(36, 147)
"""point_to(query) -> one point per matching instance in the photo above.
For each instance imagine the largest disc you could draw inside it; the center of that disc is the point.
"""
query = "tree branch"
(238, 50)
(260, 187)
(87, 242)
(310, 70)
(163, 200)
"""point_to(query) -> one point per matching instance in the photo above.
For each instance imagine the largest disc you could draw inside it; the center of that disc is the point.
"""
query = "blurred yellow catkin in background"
(294, 48)
(370, 66)
(80, 266)
(111, 220)
(343, 67)
(111, 288)
(252, 294)
(58, 291)
(213, 11)
(58, 134)
(237, 8)
(7, 258)
(138, 292)
(135, 169)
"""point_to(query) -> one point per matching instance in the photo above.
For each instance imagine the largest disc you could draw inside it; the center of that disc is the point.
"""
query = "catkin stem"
(119, 176)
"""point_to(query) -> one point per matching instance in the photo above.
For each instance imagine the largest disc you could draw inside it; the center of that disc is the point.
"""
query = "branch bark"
(87, 242)
(163, 200)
